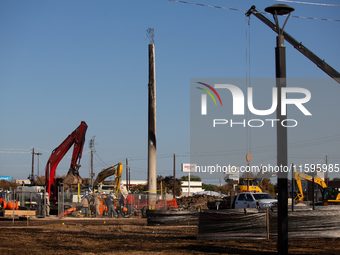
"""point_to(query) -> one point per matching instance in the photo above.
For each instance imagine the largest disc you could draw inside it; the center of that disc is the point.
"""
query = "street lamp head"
(279, 9)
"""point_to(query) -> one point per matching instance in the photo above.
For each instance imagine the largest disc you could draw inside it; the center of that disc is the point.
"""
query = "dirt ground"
(132, 236)
(195, 202)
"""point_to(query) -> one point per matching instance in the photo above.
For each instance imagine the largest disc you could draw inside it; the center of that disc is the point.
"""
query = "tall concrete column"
(152, 160)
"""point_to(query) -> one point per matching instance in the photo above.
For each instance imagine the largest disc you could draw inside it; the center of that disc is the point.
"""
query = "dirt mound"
(195, 202)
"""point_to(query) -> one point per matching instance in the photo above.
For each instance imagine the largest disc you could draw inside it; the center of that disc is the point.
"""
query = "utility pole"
(174, 196)
(92, 148)
(129, 179)
(313, 189)
(32, 175)
(38, 153)
(127, 174)
(326, 177)
(292, 185)
(92, 175)
(152, 156)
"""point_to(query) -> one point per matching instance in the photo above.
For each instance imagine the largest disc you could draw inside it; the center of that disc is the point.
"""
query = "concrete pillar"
(152, 160)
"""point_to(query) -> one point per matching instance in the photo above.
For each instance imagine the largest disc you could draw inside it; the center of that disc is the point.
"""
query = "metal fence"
(33, 198)
(125, 204)
(25, 198)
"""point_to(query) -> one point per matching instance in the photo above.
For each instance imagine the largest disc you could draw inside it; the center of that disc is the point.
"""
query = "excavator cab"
(253, 185)
(331, 196)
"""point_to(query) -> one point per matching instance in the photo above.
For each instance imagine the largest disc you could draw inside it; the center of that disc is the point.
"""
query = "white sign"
(188, 168)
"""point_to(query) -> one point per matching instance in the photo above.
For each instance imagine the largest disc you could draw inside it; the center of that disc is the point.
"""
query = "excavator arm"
(76, 138)
(317, 180)
(298, 176)
(107, 172)
(299, 196)
(119, 177)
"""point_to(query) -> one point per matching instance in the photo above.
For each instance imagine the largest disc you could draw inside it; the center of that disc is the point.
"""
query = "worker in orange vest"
(129, 201)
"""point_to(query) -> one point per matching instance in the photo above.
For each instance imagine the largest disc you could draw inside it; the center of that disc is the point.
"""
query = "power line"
(208, 5)
(299, 2)
(103, 163)
(241, 10)
(21, 152)
(301, 17)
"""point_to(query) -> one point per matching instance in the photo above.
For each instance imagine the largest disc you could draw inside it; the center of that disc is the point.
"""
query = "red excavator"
(72, 178)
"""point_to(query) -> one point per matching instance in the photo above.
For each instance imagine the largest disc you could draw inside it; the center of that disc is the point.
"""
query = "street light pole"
(282, 144)
(38, 153)
(32, 174)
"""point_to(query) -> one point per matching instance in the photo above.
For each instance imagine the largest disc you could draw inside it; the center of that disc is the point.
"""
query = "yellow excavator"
(115, 170)
(297, 178)
(331, 196)
(253, 185)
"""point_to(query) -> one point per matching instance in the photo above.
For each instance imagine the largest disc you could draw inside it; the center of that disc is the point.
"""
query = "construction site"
(90, 211)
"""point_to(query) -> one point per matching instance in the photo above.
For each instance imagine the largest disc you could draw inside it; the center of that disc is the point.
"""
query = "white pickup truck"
(254, 200)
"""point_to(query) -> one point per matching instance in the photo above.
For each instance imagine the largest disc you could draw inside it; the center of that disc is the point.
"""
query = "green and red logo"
(204, 97)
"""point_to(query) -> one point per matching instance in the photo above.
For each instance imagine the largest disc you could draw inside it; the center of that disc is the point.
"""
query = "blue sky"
(63, 62)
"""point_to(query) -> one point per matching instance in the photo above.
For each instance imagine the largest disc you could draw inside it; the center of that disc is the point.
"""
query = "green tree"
(225, 189)
(193, 178)
(267, 186)
(166, 183)
(208, 187)
(336, 179)
(246, 175)
(6, 185)
(139, 188)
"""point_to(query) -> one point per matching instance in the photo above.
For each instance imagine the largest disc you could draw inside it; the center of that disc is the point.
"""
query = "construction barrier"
(10, 205)
(231, 224)
(168, 217)
(323, 222)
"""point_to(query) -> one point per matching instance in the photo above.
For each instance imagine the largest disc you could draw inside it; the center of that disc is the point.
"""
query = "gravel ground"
(132, 236)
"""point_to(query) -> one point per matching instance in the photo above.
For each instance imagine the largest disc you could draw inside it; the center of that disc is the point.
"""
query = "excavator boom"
(317, 180)
(112, 170)
(119, 177)
(76, 138)
(299, 196)
(298, 176)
